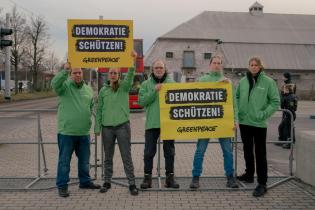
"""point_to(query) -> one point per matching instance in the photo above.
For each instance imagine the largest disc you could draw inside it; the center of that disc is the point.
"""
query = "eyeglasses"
(113, 72)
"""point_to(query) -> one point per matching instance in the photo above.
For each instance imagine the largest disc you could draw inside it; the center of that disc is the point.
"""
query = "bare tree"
(38, 36)
(18, 24)
(51, 62)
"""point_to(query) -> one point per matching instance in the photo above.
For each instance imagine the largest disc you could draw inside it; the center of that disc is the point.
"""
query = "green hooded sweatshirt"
(255, 108)
(214, 76)
(113, 106)
(74, 107)
(149, 98)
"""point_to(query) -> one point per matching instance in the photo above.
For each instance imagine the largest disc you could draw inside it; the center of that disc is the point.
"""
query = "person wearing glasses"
(149, 98)
(112, 120)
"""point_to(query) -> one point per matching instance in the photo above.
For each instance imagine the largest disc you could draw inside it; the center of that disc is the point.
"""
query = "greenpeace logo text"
(198, 129)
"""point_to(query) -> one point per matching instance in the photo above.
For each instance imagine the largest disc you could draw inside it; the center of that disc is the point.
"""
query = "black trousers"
(255, 137)
(285, 129)
(151, 137)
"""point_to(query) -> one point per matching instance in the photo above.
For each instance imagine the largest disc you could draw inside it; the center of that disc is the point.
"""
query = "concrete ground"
(19, 160)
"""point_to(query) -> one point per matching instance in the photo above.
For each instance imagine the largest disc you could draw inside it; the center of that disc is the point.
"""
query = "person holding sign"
(74, 123)
(112, 118)
(215, 75)
(257, 98)
(149, 98)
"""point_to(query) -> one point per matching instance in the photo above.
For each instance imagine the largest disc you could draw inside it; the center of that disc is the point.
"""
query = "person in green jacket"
(112, 118)
(74, 123)
(258, 98)
(149, 98)
(215, 75)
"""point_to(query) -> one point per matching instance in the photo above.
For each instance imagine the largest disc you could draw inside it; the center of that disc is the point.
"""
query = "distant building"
(285, 42)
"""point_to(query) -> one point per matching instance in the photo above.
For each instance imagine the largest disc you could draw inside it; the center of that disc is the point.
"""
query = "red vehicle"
(138, 79)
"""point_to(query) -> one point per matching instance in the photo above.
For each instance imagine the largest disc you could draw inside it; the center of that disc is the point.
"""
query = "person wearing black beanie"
(287, 79)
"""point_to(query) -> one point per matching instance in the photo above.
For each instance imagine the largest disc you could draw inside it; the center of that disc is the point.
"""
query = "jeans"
(255, 137)
(81, 146)
(151, 137)
(226, 146)
(123, 136)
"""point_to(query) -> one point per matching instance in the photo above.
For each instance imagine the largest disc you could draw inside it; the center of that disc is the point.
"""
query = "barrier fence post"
(159, 164)
(235, 153)
(42, 145)
(95, 157)
(38, 144)
(291, 143)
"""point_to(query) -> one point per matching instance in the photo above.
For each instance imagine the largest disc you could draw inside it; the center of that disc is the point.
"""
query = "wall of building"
(177, 47)
(304, 79)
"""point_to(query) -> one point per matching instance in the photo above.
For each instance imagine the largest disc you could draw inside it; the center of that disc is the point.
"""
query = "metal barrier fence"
(120, 180)
(41, 173)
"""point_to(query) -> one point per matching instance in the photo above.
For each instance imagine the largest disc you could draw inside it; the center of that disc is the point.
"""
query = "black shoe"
(278, 144)
(170, 181)
(194, 183)
(133, 190)
(231, 182)
(91, 186)
(106, 186)
(147, 181)
(260, 190)
(286, 146)
(63, 192)
(246, 178)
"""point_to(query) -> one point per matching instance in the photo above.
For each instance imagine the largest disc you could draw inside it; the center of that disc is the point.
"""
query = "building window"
(189, 59)
(169, 54)
(295, 77)
(207, 55)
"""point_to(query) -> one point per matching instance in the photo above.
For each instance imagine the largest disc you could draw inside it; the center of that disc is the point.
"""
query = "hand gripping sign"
(95, 43)
(196, 110)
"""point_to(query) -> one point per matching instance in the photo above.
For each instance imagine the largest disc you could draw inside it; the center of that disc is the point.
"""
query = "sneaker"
(133, 190)
(90, 185)
(63, 192)
(246, 178)
(260, 190)
(231, 182)
(106, 186)
(194, 183)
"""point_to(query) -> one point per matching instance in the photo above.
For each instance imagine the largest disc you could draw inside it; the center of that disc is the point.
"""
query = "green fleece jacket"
(113, 107)
(255, 108)
(149, 98)
(214, 76)
(74, 107)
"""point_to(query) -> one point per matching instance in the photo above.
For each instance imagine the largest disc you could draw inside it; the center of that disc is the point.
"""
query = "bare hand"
(158, 87)
(67, 66)
(225, 80)
(134, 55)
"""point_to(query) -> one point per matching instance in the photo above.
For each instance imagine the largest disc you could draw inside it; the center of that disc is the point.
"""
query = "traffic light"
(5, 42)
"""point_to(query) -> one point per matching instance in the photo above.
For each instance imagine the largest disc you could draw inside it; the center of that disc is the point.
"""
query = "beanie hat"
(287, 75)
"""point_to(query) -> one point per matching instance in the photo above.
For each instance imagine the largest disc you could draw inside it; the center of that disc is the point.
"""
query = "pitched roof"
(246, 28)
(281, 57)
(256, 4)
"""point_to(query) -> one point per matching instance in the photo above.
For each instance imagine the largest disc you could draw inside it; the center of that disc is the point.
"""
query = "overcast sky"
(152, 18)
